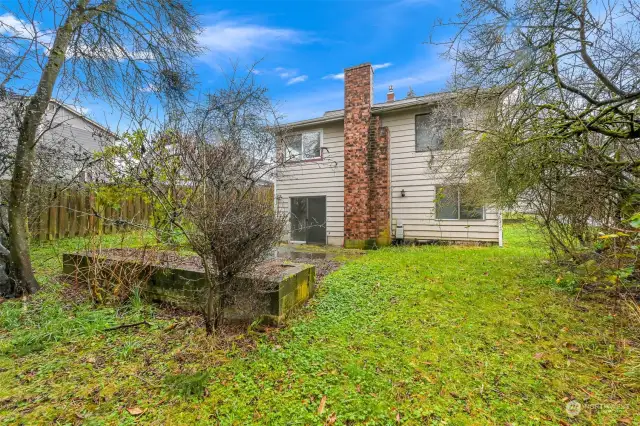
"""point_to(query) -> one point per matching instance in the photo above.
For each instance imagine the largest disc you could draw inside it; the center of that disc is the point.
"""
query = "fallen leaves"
(135, 411)
(323, 402)
(572, 347)
(331, 419)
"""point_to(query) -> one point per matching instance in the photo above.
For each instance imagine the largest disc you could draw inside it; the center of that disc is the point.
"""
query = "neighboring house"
(364, 176)
(76, 127)
(64, 132)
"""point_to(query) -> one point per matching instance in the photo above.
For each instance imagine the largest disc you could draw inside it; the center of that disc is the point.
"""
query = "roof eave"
(83, 117)
(314, 121)
(419, 101)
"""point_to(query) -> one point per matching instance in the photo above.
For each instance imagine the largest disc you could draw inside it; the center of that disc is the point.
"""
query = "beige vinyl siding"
(318, 178)
(410, 170)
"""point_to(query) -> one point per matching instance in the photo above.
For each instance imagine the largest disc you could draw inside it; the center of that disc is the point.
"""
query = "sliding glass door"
(308, 219)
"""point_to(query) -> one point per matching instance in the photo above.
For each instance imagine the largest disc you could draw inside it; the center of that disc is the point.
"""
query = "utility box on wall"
(399, 231)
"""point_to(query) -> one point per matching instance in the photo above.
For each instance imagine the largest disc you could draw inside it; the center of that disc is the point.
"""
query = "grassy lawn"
(426, 335)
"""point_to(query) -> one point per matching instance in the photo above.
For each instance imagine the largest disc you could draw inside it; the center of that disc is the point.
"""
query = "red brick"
(366, 163)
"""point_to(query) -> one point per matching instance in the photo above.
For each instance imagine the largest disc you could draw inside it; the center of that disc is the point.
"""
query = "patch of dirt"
(324, 267)
(153, 257)
(171, 259)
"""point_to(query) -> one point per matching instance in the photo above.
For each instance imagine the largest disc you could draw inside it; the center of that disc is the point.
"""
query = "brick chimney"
(390, 95)
(366, 164)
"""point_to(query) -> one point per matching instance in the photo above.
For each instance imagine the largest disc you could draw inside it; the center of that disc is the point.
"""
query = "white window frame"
(435, 202)
(302, 159)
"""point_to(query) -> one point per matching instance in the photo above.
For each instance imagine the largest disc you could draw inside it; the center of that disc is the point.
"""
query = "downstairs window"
(450, 205)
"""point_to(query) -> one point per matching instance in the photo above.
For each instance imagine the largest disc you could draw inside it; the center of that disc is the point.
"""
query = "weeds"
(188, 385)
(429, 335)
(45, 319)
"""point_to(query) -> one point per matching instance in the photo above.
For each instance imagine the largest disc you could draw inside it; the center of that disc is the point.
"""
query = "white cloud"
(233, 38)
(291, 75)
(114, 53)
(286, 73)
(150, 88)
(381, 66)
(340, 76)
(420, 74)
(296, 80)
(424, 75)
(82, 110)
(12, 26)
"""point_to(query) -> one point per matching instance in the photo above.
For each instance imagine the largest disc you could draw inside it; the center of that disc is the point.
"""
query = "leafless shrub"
(109, 279)
(206, 176)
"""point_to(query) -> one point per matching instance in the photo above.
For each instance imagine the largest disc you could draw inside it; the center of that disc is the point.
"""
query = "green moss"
(355, 244)
(384, 237)
(369, 244)
(188, 385)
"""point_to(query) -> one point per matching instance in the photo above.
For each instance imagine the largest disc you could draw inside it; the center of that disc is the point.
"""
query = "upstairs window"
(303, 146)
(450, 205)
(431, 131)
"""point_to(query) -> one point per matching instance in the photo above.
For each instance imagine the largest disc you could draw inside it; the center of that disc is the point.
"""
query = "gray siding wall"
(60, 129)
(410, 171)
(65, 127)
(318, 178)
(73, 130)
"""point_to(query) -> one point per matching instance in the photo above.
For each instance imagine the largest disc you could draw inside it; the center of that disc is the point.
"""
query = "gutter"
(312, 121)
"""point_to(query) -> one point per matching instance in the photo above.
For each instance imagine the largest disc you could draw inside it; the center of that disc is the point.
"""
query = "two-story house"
(67, 138)
(363, 175)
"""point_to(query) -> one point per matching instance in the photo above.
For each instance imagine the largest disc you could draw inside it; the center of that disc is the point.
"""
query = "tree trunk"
(21, 268)
(6, 284)
(209, 313)
(213, 311)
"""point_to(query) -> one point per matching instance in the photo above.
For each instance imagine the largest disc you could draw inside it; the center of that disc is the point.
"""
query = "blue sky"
(303, 47)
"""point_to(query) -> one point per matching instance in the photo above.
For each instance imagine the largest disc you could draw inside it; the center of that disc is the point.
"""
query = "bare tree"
(60, 162)
(563, 133)
(205, 175)
(113, 50)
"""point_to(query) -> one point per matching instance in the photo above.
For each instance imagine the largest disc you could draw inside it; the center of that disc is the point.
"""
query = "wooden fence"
(75, 213)
(55, 214)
